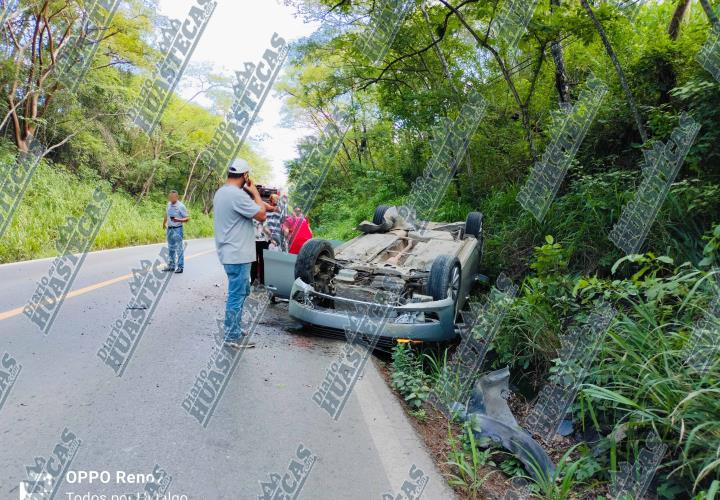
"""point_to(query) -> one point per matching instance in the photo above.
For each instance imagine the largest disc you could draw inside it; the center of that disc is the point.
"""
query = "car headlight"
(303, 297)
(410, 318)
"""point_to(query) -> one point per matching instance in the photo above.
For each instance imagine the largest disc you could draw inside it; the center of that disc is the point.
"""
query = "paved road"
(131, 423)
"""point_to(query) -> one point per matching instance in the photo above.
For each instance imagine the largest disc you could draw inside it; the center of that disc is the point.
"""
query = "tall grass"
(54, 195)
(643, 382)
(640, 380)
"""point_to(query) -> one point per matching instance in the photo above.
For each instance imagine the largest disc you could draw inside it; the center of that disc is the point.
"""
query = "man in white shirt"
(236, 204)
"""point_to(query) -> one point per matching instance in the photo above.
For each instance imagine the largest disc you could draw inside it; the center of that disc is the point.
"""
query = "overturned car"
(424, 275)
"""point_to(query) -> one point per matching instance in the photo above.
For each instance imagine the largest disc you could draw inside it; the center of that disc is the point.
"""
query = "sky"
(240, 31)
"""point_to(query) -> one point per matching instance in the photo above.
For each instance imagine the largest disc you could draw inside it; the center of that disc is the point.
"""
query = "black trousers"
(257, 268)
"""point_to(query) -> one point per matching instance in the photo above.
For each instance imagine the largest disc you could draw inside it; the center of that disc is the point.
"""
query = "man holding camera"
(175, 215)
(236, 204)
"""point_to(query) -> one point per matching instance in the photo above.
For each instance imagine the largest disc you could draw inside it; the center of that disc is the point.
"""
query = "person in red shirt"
(297, 230)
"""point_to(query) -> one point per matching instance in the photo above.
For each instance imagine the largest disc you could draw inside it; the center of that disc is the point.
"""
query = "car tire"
(474, 224)
(306, 265)
(445, 278)
(474, 227)
(378, 216)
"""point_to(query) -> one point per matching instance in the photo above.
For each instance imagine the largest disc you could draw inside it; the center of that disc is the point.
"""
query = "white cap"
(238, 166)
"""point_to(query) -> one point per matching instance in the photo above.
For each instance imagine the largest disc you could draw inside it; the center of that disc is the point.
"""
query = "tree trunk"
(677, 17)
(710, 13)
(524, 114)
(45, 38)
(439, 54)
(148, 183)
(156, 163)
(556, 50)
(192, 170)
(458, 99)
(618, 69)
(207, 204)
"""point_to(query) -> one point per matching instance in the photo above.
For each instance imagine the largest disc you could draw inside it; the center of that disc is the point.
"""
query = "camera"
(265, 192)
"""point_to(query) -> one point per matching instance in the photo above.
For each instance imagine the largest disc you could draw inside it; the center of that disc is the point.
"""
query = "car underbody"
(421, 277)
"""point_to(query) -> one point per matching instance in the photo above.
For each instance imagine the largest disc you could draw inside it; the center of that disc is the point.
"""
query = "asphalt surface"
(130, 424)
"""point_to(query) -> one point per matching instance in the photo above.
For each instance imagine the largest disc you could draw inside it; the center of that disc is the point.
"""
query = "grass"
(640, 380)
(54, 195)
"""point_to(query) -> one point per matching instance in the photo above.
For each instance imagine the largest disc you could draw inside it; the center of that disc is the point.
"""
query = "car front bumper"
(425, 321)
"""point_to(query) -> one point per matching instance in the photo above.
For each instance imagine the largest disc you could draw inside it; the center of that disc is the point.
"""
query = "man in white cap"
(236, 204)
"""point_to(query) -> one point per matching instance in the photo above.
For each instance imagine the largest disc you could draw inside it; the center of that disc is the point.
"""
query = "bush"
(641, 379)
(408, 376)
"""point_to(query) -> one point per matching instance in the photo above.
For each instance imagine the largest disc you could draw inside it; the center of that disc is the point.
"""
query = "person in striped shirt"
(274, 222)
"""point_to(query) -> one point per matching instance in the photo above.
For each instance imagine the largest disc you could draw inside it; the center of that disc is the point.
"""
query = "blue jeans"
(238, 290)
(175, 247)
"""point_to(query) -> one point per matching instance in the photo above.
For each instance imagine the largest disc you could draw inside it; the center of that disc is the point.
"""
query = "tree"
(483, 41)
(618, 68)
(710, 13)
(677, 17)
(561, 80)
(36, 36)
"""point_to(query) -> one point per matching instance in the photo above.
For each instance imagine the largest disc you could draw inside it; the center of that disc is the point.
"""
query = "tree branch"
(621, 75)
(506, 74)
(406, 56)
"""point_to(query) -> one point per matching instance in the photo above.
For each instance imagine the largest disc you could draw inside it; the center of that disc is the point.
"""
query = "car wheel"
(445, 278)
(311, 268)
(474, 227)
(378, 216)
(473, 224)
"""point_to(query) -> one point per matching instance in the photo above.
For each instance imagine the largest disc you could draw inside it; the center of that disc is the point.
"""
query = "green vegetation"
(408, 376)
(468, 460)
(565, 264)
(55, 194)
(639, 381)
(89, 136)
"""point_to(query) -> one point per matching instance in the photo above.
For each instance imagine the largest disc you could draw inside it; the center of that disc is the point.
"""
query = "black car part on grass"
(490, 417)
